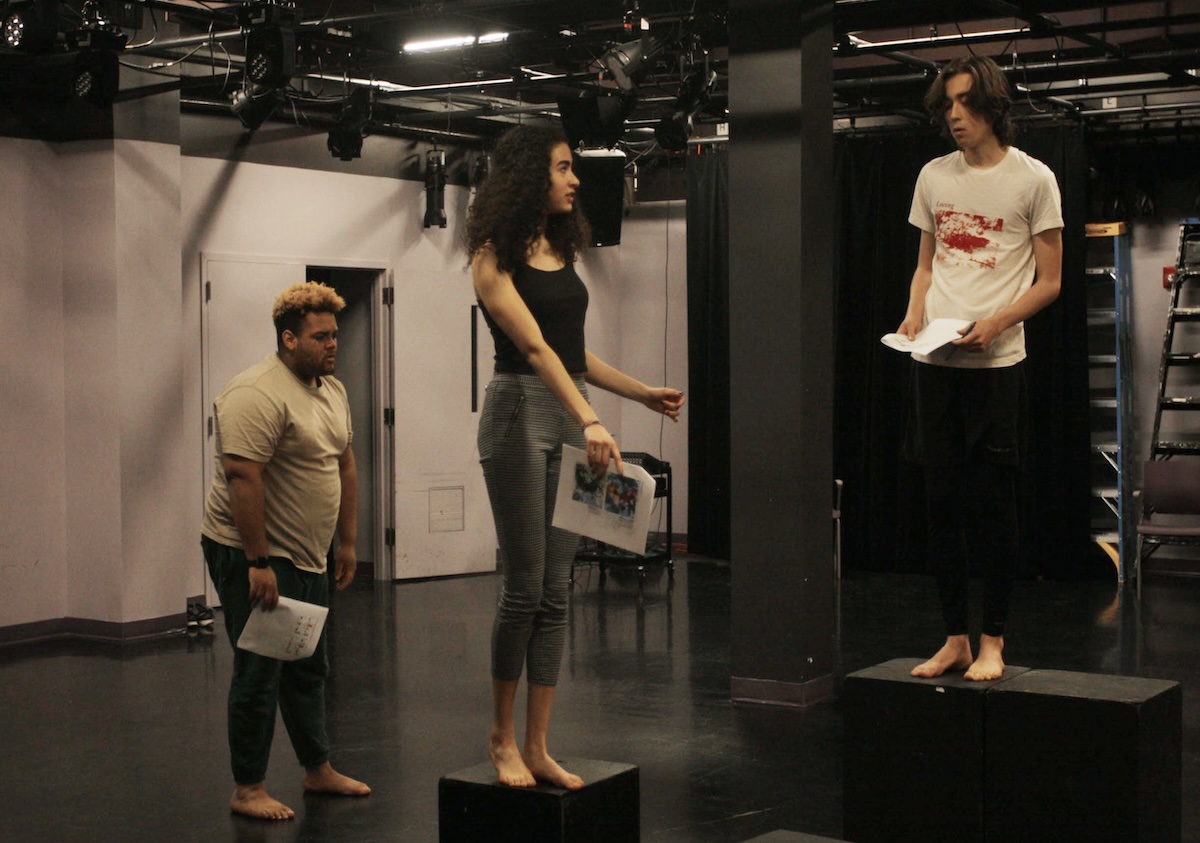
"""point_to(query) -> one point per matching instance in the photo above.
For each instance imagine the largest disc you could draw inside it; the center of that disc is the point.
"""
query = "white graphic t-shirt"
(983, 221)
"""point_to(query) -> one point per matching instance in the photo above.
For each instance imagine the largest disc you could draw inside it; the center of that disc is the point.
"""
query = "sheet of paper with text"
(288, 632)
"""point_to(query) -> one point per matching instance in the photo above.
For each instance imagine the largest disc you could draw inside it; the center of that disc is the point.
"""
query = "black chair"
(1170, 507)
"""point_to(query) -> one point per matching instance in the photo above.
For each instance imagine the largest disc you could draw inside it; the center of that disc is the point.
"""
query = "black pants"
(260, 685)
(967, 428)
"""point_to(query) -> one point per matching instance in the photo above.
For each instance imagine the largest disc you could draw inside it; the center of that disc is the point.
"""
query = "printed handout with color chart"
(614, 509)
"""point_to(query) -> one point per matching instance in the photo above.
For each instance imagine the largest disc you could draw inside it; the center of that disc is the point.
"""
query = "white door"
(237, 332)
(443, 519)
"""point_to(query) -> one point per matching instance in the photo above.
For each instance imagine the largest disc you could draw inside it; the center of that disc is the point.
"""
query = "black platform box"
(1081, 756)
(474, 807)
(914, 754)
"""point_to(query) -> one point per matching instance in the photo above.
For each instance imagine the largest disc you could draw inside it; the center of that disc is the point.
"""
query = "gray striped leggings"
(521, 432)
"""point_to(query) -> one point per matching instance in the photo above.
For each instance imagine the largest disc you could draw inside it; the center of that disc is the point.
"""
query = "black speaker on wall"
(601, 193)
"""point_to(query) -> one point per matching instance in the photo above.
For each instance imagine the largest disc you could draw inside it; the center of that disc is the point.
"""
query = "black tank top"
(558, 301)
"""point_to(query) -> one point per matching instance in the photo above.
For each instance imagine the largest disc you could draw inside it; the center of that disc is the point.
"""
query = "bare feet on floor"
(253, 801)
(954, 655)
(546, 769)
(510, 766)
(990, 664)
(325, 779)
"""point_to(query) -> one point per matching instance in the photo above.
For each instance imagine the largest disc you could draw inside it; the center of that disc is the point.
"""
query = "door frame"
(382, 386)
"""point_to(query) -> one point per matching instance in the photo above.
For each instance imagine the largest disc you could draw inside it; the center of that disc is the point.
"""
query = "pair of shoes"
(199, 617)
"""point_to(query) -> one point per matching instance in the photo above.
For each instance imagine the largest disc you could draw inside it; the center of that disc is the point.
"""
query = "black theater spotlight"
(270, 30)
(30, 26)
(483, 166)
(622, 62)
(253, 104)
(674, 130)
(435, 188)
(346, 137)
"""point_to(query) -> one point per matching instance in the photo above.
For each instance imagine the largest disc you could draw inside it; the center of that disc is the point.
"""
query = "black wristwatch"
(260, 562)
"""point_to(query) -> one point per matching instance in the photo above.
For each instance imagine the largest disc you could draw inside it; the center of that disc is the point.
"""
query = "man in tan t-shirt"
(285, 483)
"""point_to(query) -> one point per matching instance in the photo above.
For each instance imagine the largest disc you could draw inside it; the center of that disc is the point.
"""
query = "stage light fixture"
(483, 166)
(623, 61)
(346, 137)
(345, 144)
(270, 30)
(591, 121)
(435, 189)
(30, 26)
(97, 76)
(52, 78)
(673, 131)
(253, 105)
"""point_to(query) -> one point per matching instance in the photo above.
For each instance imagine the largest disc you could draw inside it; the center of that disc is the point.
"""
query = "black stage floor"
(107, 743)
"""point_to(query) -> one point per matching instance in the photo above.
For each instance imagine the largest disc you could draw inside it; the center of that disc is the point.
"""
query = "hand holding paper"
(288, 632)
(937, 334)
(613, 508)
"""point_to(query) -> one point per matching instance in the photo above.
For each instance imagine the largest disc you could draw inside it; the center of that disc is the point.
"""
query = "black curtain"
(708, 353)
(883, 507)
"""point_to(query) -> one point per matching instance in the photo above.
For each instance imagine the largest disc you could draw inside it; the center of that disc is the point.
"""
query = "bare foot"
(252, 801)
(954, 655)
(325, 779)
(990, 664)
(546, 769)
(510, 767)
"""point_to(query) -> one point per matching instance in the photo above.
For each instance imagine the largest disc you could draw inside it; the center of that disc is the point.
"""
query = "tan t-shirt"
(299, 432)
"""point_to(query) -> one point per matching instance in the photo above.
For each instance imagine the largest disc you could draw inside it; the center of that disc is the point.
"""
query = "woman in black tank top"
(524, 234)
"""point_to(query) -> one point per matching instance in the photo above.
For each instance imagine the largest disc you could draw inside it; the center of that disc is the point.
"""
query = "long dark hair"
(510, 205)
(989, 96)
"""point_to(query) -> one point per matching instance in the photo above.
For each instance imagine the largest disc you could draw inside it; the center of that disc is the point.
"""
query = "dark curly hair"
(510, 205)
(989, 96)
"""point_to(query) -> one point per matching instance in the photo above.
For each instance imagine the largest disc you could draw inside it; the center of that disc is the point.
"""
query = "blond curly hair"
(299, 300)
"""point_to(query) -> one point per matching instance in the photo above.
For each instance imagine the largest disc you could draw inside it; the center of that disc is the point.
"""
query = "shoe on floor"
(199, 616)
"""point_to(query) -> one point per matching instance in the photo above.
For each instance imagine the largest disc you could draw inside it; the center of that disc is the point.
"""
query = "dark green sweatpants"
(260, 685)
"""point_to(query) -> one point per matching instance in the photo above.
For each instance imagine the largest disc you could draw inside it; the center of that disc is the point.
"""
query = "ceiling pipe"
(1067, 31)
(1035, 67)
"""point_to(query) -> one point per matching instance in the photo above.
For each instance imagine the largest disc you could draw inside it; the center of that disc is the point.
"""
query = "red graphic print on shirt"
(964, 238)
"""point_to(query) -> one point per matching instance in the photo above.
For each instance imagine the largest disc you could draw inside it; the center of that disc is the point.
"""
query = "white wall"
(33, 559)
(93, 507)
(638, 322)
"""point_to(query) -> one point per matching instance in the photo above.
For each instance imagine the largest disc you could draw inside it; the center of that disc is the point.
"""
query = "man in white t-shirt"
(991, 252)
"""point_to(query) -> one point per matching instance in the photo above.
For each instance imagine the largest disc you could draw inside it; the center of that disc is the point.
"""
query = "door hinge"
(210, 425)
(208, 291)
(389, 416)
(389, 537)
(388, 293)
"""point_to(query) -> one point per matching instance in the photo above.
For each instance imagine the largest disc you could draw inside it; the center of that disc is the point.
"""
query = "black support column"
(781, 349)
